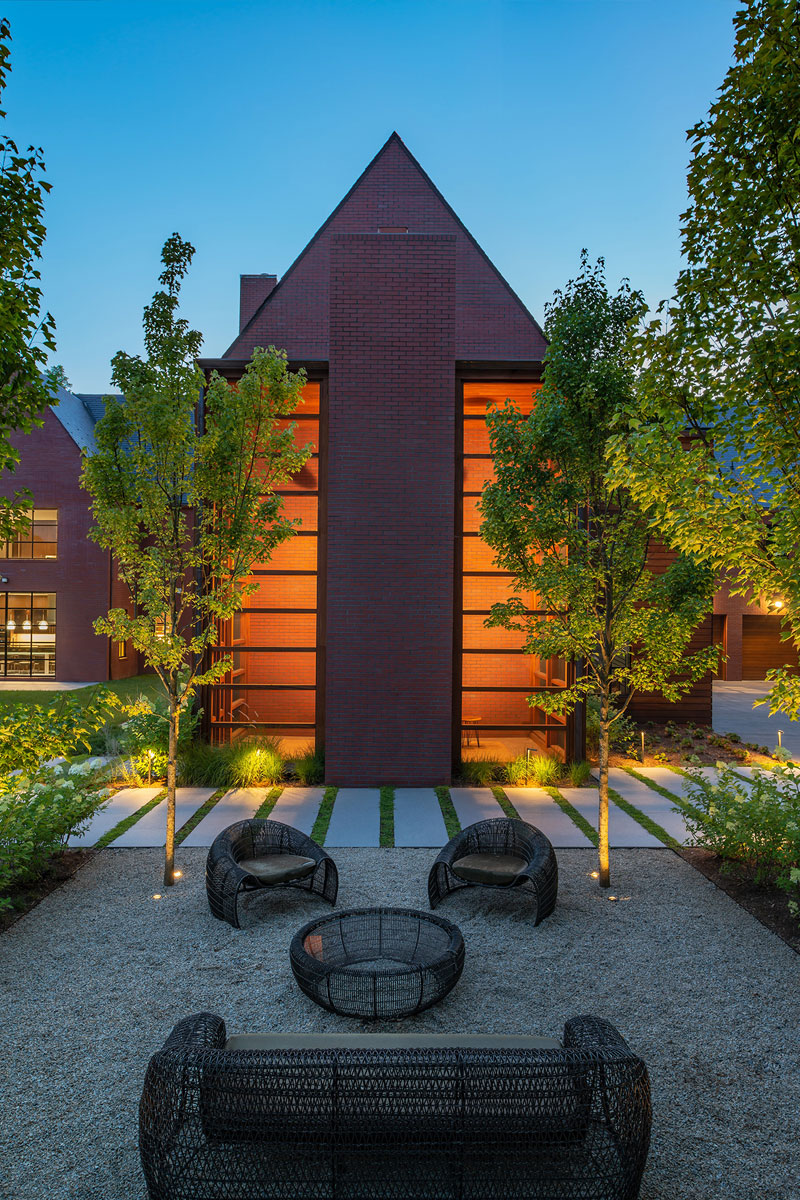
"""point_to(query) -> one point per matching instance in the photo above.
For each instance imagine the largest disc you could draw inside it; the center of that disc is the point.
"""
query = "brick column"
(391, 453)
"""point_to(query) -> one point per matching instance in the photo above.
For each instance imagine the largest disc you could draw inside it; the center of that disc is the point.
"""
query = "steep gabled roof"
(394, 192)
(76, 418)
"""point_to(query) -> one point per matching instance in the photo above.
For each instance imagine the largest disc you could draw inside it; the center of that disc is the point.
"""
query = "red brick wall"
(50, 467)
(490, 322)
(391, 456)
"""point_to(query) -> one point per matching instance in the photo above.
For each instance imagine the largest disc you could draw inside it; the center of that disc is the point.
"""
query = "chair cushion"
(278, 868)
(489, 868)
(389, 1041)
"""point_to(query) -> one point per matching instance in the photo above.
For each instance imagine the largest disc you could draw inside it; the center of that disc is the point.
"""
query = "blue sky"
(549, 125)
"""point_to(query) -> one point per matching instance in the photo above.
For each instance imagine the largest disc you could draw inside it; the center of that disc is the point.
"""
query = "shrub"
(541, 770)
(757, 829)
(623, 731)
(37, 815)
(240, 764)
(309, 766)
(478, 772)
(578, 773)
(30, 734)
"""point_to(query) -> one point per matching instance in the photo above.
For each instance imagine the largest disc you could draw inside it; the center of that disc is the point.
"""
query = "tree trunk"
(172, 763)
(602, 841)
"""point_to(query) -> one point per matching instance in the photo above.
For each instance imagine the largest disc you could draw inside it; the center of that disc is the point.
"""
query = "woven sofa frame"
(429, 1123)
(254, 838)
(500, 835)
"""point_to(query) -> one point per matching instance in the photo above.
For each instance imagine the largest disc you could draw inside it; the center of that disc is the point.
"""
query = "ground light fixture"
(177, 874)
(150, 767)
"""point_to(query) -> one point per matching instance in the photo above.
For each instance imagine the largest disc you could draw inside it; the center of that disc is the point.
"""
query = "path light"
(780, 735)
(150, 767)
(642, 745)
(527, 764)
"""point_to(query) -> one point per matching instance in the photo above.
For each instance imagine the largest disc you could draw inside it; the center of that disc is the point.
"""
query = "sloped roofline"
(394, 137)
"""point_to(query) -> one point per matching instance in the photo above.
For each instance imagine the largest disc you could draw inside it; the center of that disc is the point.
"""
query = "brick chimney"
(253, 291)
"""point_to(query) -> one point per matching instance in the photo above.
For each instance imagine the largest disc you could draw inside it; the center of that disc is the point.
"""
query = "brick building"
(366, 631)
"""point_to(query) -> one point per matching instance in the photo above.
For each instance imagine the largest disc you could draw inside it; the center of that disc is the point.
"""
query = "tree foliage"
(26, 385)
(577, 542)
(721, 362)
(186, 507)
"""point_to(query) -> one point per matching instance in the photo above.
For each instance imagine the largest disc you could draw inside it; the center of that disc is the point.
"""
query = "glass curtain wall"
(27, 634)
(496, 676)
(271, 689)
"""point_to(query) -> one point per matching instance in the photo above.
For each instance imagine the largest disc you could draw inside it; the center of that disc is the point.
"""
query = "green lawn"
(126, 689)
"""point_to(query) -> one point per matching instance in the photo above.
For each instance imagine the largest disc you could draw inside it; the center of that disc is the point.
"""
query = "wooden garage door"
(762, 648)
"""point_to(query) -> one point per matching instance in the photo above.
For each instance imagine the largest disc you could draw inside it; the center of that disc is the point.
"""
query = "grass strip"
(124, 825)
(387, 816)
(646, 822)
(269, 802)
(320, 830)
(197, 817)
(678, 801)
(451, 821)
(506, 805)
(570, 811)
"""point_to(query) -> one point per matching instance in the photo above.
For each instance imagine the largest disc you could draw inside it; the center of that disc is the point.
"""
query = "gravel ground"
(93, 979)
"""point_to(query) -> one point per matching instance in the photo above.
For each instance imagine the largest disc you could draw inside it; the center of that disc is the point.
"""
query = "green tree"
(711, 443)
(577, 543)
(26, 385)
(186, 508)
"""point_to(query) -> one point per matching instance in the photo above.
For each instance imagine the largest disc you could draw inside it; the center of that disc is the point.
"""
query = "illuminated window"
(39, 540)
(27, 633)
(122, 650)
(497, 677)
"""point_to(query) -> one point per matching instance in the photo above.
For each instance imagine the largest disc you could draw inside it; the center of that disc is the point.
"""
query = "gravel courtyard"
(93, 979)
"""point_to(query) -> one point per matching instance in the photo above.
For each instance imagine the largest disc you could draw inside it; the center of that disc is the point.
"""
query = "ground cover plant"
(32, 734)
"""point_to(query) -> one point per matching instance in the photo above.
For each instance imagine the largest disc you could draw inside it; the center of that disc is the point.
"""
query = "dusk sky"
(549, 125)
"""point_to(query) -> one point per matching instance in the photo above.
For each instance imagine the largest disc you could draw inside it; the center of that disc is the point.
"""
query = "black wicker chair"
(373, 1117)
(258, 854)
(498, 853)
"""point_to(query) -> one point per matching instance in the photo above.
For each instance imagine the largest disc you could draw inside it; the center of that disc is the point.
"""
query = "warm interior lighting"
(12, 624)
(26, 624)
(43, 625)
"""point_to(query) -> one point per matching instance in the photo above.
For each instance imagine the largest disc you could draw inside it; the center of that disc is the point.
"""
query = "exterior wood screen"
(497, 677)
(272, 687)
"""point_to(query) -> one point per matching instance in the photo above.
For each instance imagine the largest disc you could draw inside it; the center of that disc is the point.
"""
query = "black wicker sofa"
(368, 1116)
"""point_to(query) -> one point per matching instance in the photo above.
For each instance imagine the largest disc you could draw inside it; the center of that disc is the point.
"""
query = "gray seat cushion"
(489, 868)
(389, 1041)
(278, 868)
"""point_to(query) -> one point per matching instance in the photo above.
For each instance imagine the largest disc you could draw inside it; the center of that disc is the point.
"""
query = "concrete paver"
(355, 820)
(622, 829)
(151, 830)
(652, 803)
(239, 804)
(474, 804)
(122, 805)
(298, 807)
(537, 808)
(418, 819)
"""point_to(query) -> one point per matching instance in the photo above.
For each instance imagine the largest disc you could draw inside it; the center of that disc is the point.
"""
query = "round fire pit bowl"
(377, 963)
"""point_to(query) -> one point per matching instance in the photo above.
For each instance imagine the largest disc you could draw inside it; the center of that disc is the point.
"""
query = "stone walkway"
(418, 819)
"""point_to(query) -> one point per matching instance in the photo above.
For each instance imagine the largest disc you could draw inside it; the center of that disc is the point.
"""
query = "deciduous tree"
(187, 507)
(578, 543)
(27, 386)
(721, 362)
